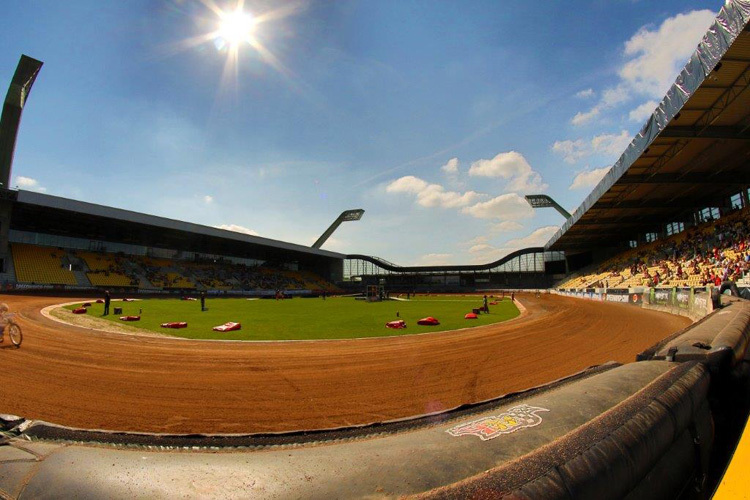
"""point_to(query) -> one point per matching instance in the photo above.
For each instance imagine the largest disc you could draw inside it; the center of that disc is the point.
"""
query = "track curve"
(99, 380)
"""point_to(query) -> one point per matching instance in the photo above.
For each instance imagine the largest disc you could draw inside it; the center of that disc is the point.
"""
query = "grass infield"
(305, 319)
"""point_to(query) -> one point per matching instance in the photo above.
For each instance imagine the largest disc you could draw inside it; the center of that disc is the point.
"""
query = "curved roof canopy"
(693, 152)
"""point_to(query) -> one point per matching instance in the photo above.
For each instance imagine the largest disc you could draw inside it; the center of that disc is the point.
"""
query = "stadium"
(620, 369)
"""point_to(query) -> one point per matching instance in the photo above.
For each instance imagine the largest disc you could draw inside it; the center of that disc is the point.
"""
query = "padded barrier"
(396, 325)
(130, 318)
(428, 321)
(80, 310)
(175, 324)
(654, 444)
(720, 340)
(228, 327)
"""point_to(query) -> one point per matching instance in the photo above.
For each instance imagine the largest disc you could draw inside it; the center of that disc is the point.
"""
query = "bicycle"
(14, 332)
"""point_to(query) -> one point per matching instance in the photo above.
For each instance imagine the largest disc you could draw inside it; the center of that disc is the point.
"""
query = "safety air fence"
(694, 303)
(716, 344)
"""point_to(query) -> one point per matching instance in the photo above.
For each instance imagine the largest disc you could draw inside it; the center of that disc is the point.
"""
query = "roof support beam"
(656, 204)
(712, 132)
(739, 179)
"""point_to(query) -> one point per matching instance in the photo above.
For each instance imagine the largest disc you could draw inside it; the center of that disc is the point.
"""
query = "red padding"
(188, 298)
(86, 304)
(100, 301)
(130, 318)
(493, 303)
(228, 327)
(428, 321)
(80, 310)
(128, 300)
(471, 316)
(397, 325)
(175, 324)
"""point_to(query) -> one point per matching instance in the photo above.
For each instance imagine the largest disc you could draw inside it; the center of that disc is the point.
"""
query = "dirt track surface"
(99, 380)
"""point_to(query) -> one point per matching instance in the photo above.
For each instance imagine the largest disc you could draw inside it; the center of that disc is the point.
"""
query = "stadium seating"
(707, 254)
(107, 270)
(46, 265)
(35, 264)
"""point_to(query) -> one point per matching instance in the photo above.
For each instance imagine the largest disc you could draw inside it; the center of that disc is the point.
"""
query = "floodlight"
(544, 201)
(18, 92)
(346, 216)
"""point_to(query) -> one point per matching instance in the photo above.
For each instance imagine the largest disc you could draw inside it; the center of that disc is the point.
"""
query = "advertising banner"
(682, 298)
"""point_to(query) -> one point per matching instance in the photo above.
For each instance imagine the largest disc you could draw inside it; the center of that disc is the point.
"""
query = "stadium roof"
(693, 151)
(453, 268)
(55, 215)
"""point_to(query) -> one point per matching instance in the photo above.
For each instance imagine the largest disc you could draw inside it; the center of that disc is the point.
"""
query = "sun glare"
(236, 27)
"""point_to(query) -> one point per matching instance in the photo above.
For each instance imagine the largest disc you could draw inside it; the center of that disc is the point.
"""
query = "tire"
(14, 332)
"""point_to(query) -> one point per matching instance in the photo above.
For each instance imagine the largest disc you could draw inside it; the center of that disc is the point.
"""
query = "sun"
(236, 27)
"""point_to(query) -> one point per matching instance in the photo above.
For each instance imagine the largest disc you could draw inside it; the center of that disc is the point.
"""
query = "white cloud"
(476, 241)
(584, 94)
(484, 253)
(505, 207)
(589, 178)
(513, 167)
(434, 259)
(658, 55)
(654, 57)
(407, 184)
(609, 145)
(432, 195)
(613, 96)
(537, 238)
(506, 227)
(483, 247)
(642, 112)
(451, 168)
(29, 184)
(237, 229)
(582, 118)
(208, 199)
(571, 151)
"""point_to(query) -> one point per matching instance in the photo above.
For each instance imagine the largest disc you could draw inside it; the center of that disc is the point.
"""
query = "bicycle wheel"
(15, 334)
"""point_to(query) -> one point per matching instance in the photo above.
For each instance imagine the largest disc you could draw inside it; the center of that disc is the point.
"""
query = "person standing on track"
(107, 300)
(203, 301)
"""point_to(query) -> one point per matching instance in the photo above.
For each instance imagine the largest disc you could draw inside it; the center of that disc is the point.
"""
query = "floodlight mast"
(346, 216)
(544, 201)
(20, 86)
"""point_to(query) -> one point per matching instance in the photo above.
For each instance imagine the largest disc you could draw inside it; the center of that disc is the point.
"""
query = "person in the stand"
(107, 300)
(203, 300)
(486, 307)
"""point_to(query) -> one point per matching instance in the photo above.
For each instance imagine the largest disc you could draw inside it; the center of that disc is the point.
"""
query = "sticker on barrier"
(516, 418)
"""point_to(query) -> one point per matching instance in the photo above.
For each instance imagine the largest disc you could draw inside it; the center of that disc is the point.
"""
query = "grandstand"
(706, 254)
(67, 244)
(43, 265)
(673, 210)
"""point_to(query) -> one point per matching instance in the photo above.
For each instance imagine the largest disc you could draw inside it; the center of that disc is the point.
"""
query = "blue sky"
(435, 117)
